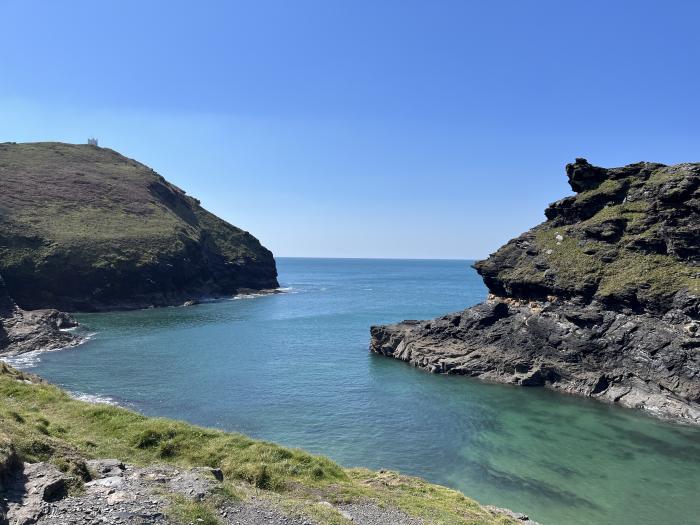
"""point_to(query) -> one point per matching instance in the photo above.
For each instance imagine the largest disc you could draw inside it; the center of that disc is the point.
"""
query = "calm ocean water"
(294, 368)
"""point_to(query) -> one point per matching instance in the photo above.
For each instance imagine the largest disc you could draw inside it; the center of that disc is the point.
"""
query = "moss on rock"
(630, 238)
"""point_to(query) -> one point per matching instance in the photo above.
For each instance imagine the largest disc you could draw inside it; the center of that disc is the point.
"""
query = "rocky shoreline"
(636, 361)
(600, 301)
(23, 331)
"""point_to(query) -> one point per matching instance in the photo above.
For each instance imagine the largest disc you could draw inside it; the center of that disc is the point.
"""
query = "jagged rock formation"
(84, 228)
(601, 300)
(25, 331)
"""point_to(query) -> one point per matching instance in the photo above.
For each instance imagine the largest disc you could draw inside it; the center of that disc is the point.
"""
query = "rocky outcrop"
(9, 465)
(31, 490)
(84, 228)
(601, 300)
(24, 331)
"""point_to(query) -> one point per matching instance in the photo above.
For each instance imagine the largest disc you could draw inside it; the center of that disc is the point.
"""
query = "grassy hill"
(85, 228)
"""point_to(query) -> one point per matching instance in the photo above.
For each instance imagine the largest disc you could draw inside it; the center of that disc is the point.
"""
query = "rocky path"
(122, 494)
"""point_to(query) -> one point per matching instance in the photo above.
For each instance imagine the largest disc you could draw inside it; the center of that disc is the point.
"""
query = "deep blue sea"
(294, 368)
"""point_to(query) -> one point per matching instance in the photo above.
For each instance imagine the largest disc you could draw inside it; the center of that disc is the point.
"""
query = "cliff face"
(600, 300)
(85, 228)
(630, 239)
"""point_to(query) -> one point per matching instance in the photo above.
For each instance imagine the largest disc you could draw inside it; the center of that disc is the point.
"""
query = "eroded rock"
(601, 300)
(31, 490)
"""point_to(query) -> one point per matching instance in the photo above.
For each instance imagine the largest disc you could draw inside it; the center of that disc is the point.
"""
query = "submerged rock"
(601, 300)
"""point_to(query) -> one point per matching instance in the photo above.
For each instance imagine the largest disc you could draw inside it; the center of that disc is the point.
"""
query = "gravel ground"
(126, 495)
(368, 513)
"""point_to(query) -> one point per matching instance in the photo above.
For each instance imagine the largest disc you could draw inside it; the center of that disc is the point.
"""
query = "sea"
(295, 368)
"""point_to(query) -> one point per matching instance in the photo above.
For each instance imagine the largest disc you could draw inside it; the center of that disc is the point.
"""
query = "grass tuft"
(185, 512)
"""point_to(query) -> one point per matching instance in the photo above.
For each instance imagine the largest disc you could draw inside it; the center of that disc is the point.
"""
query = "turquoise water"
(294, 368)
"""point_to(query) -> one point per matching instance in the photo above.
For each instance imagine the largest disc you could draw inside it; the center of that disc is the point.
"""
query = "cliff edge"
(84, 228)
(600, 300)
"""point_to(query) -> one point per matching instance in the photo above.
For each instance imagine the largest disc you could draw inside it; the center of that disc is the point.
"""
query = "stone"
(119, 497)
(34, 486)
(24, 331)
(584, 176)
(108, 482)
(103, 468)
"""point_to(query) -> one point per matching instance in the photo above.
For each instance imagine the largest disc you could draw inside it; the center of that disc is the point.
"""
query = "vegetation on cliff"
(39, 422)
(85, 228)
(600, 300)
(629, 238)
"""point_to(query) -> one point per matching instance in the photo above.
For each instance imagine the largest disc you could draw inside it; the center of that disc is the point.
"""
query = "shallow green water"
(294, 368)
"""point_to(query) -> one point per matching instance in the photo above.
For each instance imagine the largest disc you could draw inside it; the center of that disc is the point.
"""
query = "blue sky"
(432, 129)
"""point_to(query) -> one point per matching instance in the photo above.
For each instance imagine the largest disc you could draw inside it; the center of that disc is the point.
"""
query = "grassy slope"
(84, 227)
(45, 424)
(78, 194)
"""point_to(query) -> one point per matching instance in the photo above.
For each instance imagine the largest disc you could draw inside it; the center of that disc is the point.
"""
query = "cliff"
(84, 228)
(600, 300)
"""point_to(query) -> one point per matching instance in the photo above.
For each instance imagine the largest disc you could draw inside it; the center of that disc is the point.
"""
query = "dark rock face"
(84, 228)
(630, 240)
(600, 300)
(24, 331)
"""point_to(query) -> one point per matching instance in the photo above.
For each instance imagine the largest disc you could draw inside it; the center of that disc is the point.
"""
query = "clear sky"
(379, 128)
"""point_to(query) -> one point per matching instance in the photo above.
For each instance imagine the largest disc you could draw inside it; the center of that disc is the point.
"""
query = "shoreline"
(538, 344)
(184, 301)
(125, 450)
(55, 335)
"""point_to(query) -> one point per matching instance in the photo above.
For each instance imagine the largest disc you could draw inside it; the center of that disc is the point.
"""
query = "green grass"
(185, 511)
(607, 187)
(73, 194)
(629, 211)
(567, 256)
(660, 276)
(44, 424)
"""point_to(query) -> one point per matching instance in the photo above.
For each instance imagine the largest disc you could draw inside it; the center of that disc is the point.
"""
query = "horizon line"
(379, 258)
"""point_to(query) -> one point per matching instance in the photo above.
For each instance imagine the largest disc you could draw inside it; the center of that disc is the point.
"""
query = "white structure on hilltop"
(92, 142)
